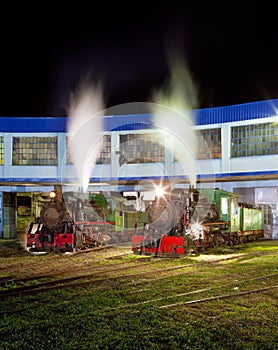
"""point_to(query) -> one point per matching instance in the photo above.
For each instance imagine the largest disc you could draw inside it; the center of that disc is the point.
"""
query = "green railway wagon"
(251, 221)
(222, 205)
(133, 219)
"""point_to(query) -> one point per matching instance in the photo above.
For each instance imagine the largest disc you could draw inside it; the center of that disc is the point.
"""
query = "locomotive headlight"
(159, 191)
(52, 194)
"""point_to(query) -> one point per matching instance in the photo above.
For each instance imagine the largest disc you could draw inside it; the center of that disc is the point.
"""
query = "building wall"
(244, 173)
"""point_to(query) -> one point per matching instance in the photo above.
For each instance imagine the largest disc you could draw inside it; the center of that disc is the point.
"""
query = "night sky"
(46, 50)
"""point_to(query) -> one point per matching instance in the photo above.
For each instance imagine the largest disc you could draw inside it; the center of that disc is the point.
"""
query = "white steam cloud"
(85, 129)
(180, 95)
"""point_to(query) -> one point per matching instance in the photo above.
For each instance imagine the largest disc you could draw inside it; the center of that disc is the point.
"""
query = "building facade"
(236, 150)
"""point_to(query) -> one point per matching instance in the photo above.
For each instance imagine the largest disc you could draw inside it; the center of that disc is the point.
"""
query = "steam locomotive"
(196, 220)
(72, 221)
(176, 223)
(67, 227)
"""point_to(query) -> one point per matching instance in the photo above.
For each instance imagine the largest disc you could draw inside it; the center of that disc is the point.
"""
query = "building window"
(209, 144)
(141, 148)
(254, 140)
(104, 154)
(105, 151)
(1, 150)
(68, 157)
(35, 151)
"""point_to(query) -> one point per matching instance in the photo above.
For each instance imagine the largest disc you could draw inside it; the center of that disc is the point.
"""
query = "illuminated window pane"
(141, 148)
(35, 151)
(68, 157)
(254, 140)
(1, 150)
(104, 154)
(105, 151)
(224, 205)
(209, 144)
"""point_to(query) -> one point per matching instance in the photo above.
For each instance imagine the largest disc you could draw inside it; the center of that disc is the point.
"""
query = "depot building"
(235, 149)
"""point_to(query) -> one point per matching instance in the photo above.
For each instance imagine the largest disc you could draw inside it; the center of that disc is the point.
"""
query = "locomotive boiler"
(67, 227)
(196, 220)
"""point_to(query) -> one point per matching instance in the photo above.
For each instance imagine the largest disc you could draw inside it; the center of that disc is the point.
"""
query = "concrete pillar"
(9, 215)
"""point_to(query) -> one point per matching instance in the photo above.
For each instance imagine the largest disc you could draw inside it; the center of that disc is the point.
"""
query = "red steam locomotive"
(195, 220)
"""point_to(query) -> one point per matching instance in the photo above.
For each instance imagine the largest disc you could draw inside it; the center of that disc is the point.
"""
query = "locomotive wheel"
(235, 240)
(218, 239)
(212, 243)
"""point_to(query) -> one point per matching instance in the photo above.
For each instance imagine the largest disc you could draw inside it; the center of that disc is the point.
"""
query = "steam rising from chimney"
(180, 95)
(85, 129)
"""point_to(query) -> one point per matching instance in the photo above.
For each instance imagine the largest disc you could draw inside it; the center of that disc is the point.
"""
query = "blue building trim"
(155, 178)
(205, 116)
(200, 177)
(238, 174)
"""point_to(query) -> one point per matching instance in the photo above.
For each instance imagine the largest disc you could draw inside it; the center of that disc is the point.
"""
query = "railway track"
(218, 297)
(36, 265)
(60, 263)
(92, 293)
(203, 295)
(145, 267)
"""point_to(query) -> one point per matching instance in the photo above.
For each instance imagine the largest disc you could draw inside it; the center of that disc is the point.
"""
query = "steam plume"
(180, 95)
(85, 128)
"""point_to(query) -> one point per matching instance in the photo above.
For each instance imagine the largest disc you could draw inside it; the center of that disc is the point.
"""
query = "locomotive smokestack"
(59, 193)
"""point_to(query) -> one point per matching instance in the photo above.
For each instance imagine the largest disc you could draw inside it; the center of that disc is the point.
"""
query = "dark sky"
(46, 50)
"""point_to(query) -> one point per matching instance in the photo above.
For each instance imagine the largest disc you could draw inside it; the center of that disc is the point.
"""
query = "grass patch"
(121, 315)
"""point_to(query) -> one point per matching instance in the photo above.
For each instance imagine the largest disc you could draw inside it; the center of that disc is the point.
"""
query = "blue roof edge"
(205, 116)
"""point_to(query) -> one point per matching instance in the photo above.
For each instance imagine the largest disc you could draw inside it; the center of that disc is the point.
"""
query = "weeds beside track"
(106, 299)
